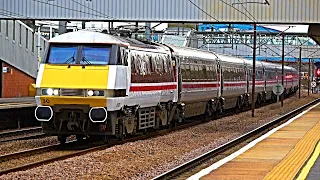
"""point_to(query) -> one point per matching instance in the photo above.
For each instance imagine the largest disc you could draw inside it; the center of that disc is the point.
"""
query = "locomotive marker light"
(278, 90)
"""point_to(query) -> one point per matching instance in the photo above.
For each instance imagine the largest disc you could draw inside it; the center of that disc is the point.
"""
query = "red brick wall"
(15, 83)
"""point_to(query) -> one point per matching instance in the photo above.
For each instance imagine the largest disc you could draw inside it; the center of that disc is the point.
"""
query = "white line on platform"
(245, 148)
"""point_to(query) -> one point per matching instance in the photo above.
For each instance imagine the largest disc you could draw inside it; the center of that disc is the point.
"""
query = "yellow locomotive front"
(74, 80)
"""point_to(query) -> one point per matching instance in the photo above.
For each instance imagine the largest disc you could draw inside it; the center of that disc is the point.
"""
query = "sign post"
(313, 86)
(278, 90)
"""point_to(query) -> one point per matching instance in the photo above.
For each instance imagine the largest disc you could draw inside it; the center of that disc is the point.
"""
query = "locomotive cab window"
(62, 55)
(78, 54)
(95, 55)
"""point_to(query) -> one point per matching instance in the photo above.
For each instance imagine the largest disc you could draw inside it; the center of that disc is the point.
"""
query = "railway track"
(34, 152)
(177, 171)
(21, 134)
(74, 153)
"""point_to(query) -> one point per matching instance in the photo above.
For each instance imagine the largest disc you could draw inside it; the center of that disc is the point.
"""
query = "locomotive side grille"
(71, 92)
(147, 117)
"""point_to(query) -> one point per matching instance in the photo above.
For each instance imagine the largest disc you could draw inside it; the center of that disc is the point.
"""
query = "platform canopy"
(224, 11)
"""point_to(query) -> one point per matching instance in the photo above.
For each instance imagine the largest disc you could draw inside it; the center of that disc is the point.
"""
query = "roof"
(87, 37)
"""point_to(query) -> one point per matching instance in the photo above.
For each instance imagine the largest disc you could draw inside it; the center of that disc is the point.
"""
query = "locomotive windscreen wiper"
(69, 60)
(85, 60)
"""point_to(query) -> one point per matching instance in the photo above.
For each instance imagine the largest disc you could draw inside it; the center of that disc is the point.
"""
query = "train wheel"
(209, 111)
(80, 138)
(239, 106)
(258, 101)
(62, 139)
(173, 124)
(106, 139)
(121, 132)
(219, 110)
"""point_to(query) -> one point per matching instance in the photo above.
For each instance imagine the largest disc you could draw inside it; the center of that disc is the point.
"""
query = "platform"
(283, 153)
(9, 103)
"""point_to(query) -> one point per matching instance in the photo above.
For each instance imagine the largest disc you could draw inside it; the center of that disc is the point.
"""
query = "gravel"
(20, 145)
(148, 158)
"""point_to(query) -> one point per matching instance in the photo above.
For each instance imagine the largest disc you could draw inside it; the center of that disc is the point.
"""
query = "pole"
(148, 31)
(312, 72)
(309, 78)
(300, 73)
(136, 31)
(39, 46)
(50, 35)
(254, 67)
(282, 68)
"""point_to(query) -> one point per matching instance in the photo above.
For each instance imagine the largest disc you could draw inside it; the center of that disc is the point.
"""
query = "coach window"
(133, 64)
(168, 59)
(159, 66)
(183, 71)
(150, 57)
(232, 73)
(144, 65)
(208, 72)
(214, 72)
(188, 71)
(165, 63)
(250, 74)
(192, 72)
(225, 73)
(201, 72)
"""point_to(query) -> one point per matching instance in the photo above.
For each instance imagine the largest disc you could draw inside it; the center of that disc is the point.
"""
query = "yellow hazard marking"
(306, 169)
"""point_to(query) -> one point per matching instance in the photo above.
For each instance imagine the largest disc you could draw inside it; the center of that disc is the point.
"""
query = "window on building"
(27, 38)
(7, 28)
(14, 30)
(20, 34)
(32, 40)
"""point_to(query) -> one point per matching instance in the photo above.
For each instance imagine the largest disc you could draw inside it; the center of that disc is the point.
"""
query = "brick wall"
(15, 83)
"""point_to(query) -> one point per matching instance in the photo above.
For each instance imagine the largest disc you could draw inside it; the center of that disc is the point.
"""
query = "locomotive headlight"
(49, 91)
(90, 93)
(96, 93)
(56, 92)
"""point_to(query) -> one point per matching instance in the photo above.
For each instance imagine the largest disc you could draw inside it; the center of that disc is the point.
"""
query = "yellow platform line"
(293, 162)
(306, 169)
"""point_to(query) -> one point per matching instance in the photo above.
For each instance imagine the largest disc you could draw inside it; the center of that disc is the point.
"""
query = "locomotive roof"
(85, 36)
